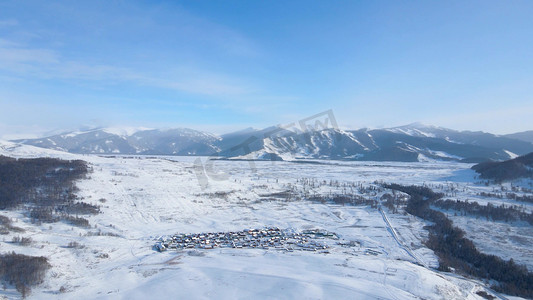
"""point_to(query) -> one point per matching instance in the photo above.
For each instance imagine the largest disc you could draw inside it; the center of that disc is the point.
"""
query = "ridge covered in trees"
(520, 167)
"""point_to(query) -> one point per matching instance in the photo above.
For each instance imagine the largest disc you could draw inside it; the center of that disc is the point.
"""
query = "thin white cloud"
(209, 85)
(10, 56)
(8, 23)
(223, 37)
(199, 30)
(47, 64)
(24, 58)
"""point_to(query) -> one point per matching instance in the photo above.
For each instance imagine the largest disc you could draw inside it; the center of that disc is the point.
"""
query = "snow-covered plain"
(142, 198)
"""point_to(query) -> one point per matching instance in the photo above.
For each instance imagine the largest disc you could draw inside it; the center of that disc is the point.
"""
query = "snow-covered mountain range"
(181, 141)
(413, 142)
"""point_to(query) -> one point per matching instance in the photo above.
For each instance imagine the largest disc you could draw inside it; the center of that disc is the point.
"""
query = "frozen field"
(142, 198)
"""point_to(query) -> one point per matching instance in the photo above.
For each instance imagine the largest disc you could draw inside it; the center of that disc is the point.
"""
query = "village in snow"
(287, 240)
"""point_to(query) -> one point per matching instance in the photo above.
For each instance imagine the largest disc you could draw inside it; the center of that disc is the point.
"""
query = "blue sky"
(224, 65)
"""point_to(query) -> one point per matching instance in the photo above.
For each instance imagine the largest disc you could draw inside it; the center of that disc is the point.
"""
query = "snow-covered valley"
(382, 255)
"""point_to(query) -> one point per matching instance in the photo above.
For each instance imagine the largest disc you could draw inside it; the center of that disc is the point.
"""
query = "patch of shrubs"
(6, 226)
(77, 221)
(79, 208)
(75, 245)
(497, 213)
(485, 295)
(43, 215)
(23, 241)
(101, 233)
(344, 199)
(23, 271)
(523, 198)
(46, 215)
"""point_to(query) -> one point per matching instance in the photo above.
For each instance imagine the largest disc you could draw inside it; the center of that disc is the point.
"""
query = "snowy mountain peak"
(422, 130)
(420, 125)
(124, 131)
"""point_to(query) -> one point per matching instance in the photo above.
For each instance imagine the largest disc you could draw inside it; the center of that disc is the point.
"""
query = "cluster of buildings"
(267, 238)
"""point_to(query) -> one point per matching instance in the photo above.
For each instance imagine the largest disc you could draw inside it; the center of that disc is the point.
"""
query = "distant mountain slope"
(406, 143)
(526, 136)
(520, 167)
(439, 146)
(327, 143)
(414, 142)
(477, 138)
(182, 141)
(102, 141)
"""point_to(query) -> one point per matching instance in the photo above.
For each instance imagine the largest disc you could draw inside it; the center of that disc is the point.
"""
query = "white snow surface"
(146, 197)
(511, 154)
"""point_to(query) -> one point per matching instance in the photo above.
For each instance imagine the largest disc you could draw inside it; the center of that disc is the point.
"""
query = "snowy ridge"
(26, 151)
(413, 142)
(180, 141)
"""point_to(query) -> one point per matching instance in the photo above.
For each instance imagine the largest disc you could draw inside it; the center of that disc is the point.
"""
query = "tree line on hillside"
(45, 187)
(520, 167)
(38, 180)
(520, 198)
(490, 212)
(509, 195)
(344, 199)
(456, 251)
